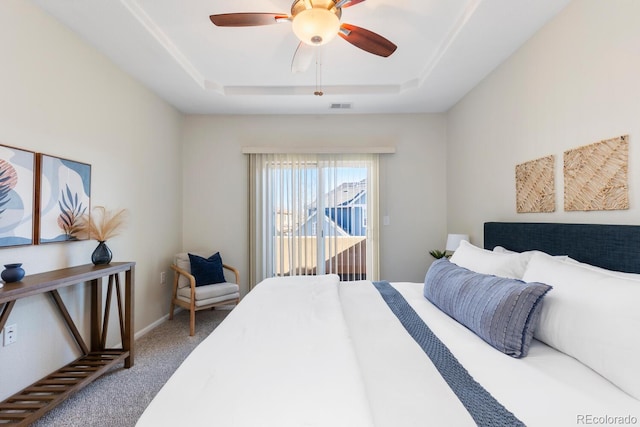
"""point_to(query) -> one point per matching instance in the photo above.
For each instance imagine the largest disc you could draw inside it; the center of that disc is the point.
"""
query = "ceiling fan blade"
(302, 58)
(247, 19)
(367, 40)
(348, 3)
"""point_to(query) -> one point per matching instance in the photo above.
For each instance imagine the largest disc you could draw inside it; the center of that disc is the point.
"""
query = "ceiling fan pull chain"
(318, 91)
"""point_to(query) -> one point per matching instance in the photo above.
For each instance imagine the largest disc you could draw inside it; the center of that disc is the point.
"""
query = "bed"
(313, 351)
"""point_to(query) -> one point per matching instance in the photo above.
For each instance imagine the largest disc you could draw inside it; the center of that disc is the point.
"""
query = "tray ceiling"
(445, 48)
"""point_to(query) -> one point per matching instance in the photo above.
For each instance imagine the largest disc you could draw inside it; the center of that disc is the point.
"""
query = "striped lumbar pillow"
(504, 312)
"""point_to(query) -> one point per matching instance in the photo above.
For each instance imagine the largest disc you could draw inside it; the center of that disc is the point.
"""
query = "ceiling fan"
(314, 22)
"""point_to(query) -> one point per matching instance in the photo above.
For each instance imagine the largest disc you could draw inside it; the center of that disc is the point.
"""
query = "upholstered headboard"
(615, 247)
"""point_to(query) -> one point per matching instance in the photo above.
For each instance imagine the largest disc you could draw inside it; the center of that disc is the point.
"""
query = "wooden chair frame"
(191, 305)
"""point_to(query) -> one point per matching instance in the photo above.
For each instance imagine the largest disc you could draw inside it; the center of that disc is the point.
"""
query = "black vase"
(12, 273)
(102, 254)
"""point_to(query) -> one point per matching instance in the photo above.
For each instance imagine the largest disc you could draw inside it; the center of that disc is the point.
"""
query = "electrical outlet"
(163, 277)
(10, 334)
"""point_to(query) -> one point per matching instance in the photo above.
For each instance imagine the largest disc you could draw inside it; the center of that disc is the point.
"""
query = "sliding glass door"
(314, 214)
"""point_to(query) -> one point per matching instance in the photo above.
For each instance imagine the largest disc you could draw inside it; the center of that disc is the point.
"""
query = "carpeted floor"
(118, 398)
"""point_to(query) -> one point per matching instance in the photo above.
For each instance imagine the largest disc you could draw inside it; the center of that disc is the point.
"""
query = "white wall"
(574, 83)
(59, 96)
(412, 180)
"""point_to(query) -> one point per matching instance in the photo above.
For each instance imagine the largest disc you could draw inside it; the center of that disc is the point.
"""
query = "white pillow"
(503, 250)
(591, 316)
(511, 265)
(630, 276)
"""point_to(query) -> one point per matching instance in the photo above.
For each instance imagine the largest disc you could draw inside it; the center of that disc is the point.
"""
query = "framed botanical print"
(17, 193)
(64, 197)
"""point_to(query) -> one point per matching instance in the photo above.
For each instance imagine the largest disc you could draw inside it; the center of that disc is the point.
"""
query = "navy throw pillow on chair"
(207, 271)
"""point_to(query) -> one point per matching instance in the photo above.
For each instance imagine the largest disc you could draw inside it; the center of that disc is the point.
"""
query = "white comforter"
(314, 352)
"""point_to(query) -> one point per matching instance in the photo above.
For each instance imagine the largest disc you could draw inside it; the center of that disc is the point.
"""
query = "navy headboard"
(615, 247)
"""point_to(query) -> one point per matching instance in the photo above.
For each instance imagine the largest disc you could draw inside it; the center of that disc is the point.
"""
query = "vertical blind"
(313, 214)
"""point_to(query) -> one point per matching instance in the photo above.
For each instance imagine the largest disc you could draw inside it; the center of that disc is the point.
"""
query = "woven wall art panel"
(595, 176)
(535, 189)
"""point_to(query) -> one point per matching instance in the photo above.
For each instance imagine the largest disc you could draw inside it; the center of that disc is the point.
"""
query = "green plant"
(437, 254)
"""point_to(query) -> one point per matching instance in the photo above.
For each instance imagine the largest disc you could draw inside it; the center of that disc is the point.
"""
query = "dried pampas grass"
(102, 224)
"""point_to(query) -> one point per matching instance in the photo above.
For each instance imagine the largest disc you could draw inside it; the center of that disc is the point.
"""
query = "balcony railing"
(345, 256)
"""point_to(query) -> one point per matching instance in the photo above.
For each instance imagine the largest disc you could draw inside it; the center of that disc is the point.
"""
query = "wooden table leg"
(6, 311)
(128, 338)
(96, 314)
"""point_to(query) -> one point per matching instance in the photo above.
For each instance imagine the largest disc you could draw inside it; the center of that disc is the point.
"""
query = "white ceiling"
(445, 47)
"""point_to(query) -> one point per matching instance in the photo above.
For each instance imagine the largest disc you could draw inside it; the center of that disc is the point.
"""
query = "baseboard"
(164, 318)
(152, 326)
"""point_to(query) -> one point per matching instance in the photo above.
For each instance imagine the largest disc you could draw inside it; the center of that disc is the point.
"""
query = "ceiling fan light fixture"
(316, 26)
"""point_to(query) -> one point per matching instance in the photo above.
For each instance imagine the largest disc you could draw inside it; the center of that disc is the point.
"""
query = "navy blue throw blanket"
(483, 408)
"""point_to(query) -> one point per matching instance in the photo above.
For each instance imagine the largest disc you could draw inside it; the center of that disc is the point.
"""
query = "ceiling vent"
(343, 106)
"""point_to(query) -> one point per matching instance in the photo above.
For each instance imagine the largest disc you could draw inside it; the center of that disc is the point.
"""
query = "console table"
(34, 401)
